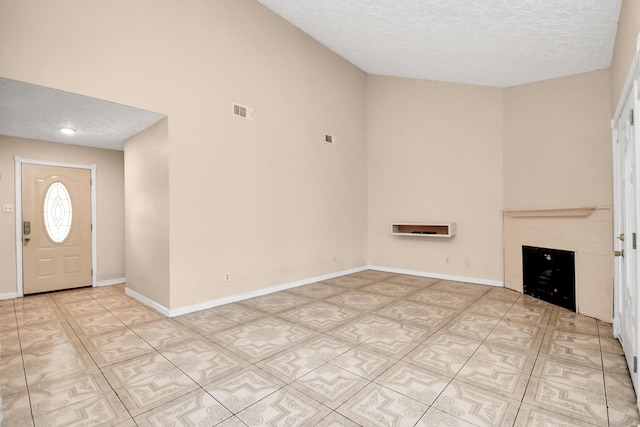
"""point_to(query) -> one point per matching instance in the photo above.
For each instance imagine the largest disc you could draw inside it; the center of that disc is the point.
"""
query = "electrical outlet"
(227, 277)
(7, 207)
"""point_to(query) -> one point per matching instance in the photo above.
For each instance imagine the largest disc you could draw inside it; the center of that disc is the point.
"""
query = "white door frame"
(19, 161)
(630, 88)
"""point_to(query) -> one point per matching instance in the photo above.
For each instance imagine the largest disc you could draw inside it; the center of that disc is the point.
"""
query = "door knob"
(618, 253)
(621, 237)
(27, 239)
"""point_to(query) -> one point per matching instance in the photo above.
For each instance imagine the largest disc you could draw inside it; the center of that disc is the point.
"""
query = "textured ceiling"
(485, 42)
(36, 112)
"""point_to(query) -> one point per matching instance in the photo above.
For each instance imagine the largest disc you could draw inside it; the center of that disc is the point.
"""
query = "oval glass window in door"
(57, 212)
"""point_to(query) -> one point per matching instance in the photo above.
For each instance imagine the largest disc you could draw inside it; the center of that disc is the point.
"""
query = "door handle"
(618, 253)
(27, 239)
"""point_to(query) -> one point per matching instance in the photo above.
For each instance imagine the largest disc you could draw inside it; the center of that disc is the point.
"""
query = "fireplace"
(588, 232)
(550, 275)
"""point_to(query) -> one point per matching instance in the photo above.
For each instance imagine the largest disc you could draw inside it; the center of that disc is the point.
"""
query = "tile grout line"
(604, 377)
(533, 366)
(549, 330)
(474, 352)
(91, 356)
(24, 367)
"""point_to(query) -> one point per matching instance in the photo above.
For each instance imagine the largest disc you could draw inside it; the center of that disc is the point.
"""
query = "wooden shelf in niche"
(441, 229)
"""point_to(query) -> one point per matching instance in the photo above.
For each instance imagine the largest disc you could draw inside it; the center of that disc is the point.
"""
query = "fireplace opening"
(550, 275)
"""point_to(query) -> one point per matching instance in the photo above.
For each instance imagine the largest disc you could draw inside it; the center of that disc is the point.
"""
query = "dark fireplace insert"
(550, 275)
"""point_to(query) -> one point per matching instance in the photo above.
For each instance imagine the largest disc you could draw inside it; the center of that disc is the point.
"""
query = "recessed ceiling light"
(67, 131)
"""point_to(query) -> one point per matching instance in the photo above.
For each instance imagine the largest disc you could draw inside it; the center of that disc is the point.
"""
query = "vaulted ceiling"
(483, 42)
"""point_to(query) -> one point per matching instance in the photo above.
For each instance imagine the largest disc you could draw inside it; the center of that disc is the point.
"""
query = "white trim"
(615, 216)
(19, 161)
(260, 292)
(235, 298)
(94, 227)
(18, 198)
(148, 302)
(628, 86)
(475, 280)
(58, 164)
(10, 295)
(110, 282)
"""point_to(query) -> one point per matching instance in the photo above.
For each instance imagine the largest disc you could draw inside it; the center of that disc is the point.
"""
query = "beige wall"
(557, 143)
(625, 47)
(146, 174)
(265, 200)
(110, 202)
(435, 154)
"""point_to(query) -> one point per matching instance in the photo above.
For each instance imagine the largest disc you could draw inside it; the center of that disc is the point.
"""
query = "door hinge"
(635, 364)
(631, 121)
(633, 240)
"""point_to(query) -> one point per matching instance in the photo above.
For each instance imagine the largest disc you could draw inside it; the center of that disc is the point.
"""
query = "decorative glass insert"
(57, 212)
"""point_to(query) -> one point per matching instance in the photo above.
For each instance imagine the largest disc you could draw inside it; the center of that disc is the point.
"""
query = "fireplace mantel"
(558, 212)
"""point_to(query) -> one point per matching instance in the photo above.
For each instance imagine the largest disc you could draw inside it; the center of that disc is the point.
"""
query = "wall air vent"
(328, 138)
(242, 111)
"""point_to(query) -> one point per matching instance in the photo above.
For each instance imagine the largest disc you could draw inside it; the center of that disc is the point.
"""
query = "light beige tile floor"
(369, 349)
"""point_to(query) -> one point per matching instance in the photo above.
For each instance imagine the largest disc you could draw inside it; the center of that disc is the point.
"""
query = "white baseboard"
(110, 282)
(9, 295)
(259, 292)
(148, 302)
(465, 279)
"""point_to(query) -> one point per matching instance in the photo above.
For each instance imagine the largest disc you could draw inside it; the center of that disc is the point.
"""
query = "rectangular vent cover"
(242, 111)
(328, 138)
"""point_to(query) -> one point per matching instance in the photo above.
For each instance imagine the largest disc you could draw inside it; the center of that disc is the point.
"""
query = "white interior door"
(625, 242)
